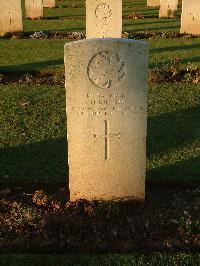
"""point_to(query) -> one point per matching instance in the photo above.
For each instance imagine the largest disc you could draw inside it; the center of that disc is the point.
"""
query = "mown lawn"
(33, 133)
(70, 15)
(47, 54)
(31, 55)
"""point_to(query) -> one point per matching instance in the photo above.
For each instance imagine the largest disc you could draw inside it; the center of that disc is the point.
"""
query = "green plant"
(189, 227)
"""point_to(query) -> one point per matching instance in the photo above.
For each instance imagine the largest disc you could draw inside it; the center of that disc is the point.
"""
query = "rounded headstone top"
(107, 40)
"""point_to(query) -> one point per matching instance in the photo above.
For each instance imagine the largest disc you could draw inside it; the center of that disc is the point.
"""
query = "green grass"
(173, 141)
(36, 55)
(54, 25)
(33, 117)
(33, 133)
(103, 260)
(153, 24)
(31, 55)
(61, 19)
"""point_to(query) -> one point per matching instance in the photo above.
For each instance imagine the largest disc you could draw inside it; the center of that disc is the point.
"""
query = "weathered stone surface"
(153, 2)
(103, 18)
(49, 3)
(106, 90)
(10, 16)
(190, 18)
(34, 8)
(168, 8)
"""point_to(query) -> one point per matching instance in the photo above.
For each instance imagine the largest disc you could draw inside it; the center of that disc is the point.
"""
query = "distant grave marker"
(190, 18)
(103, 18)
(34, 8)
(106, 90)
(10, 16)
(153, 2)
(49, 3)
(168, 8)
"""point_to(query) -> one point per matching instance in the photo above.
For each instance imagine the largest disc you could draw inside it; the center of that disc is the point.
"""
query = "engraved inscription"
(104, 30)
(106, 70)
(103, 12)
(107, 137)
(99, 104)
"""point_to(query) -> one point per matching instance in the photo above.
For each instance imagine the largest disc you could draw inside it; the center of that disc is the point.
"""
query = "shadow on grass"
(174, 48)
(129, 4)
(136, 29)
(142, 10)
(151, 16)
(195, 59)
(47, 161)
(31, 66)
(185, 173)
(172, 131)
(64, 17)
(37, 162)
(67, 29)
(169, 132)
(169, 28)
(142, 22)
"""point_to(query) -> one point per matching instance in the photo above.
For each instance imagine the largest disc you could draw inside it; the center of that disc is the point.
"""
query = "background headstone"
(49, 3)
(106, 90)
(10, 16)
(103, 18)
(34, 8)
(168, 8)
(153, 2)
(190, 17)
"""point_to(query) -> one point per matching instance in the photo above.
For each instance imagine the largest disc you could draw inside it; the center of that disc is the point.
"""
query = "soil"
(172, 74)
(39, 218)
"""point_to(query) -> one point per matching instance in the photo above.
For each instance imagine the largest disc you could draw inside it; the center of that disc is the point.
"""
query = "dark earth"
(38, 218)
(170, 74)
(81, 35)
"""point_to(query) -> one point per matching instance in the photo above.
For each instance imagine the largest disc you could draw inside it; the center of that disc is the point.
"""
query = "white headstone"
(168, 8)
(190, 18)
(103, 18)
(153, 2)
(34, 8)
(10, 16)
(49, 3)
(106, 90)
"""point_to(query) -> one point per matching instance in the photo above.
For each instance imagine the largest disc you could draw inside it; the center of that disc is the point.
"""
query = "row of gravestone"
(190, 18)
(34, 8)
(11, 14)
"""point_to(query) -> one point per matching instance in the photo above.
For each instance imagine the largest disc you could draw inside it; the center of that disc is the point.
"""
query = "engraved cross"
(10, 15)
(107, 136)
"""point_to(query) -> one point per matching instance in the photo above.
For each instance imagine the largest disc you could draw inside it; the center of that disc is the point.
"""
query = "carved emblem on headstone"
(103, 12)
(106, 69)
